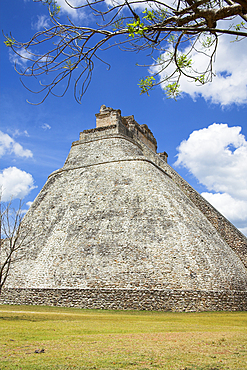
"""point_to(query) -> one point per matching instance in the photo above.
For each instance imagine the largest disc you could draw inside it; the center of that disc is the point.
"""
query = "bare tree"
(157, 27)
(12, 238)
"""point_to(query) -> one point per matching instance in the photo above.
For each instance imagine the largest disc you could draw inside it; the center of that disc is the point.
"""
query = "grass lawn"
(106, 340)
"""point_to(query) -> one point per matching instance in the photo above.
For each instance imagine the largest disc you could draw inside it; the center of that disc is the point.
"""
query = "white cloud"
(24, 211)
(232, 208)
(243, 230)
(142, 5)
(21, 58)
(217, 157)
(9, 146)
(42, 22)
(17, 132)
(74, 13)
(15, 183)
(230, 83)
(65, 8)
(45, 126)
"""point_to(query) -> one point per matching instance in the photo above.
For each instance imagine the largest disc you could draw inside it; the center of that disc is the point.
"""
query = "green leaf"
(136, 28)
(171, 39)
(69, 65)
(150, 15)
(183, 61)
(208, 42)
(201, 79)
(172, 90)
(53, 7)
(239, 26)
(146, 84)
(9, 41)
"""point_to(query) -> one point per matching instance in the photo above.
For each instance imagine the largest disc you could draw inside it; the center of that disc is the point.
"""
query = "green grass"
(107, 340)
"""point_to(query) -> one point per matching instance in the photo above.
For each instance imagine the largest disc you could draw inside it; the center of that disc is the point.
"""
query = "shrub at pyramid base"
(115, 228)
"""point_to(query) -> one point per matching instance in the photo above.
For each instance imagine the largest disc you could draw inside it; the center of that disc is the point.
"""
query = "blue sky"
(211, 124)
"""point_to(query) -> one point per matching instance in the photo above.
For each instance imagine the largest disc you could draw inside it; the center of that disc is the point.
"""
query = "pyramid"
(117, 227)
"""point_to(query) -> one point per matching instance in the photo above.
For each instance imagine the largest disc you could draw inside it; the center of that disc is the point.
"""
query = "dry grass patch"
(107, 340)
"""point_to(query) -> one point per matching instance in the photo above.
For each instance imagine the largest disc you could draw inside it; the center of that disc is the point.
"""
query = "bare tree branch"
(13, 238)
(137, 25)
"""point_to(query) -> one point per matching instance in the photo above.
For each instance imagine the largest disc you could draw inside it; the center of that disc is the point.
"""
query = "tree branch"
(71, 49)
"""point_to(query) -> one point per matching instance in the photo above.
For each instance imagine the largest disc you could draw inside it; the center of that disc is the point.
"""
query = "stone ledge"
(98, 129)
(126, 299)
(142, 159)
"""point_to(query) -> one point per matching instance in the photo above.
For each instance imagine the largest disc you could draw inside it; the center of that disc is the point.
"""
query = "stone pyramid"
(117, 227)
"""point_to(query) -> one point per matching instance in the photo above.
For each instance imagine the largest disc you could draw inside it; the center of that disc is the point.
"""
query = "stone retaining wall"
(159, 300)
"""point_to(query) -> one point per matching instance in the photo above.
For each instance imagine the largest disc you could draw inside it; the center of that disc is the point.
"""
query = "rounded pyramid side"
(122, 224)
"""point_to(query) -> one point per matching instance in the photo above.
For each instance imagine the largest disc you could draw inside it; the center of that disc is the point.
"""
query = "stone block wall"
(107, 116)
(128, 299)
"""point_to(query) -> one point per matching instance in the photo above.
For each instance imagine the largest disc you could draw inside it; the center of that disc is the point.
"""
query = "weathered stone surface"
(127, 299)
(117, 227)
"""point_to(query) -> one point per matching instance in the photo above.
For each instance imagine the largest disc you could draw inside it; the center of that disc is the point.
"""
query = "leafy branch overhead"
(171, 32)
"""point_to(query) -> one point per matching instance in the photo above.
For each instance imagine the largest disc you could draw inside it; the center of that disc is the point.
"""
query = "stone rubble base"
(159, 300)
